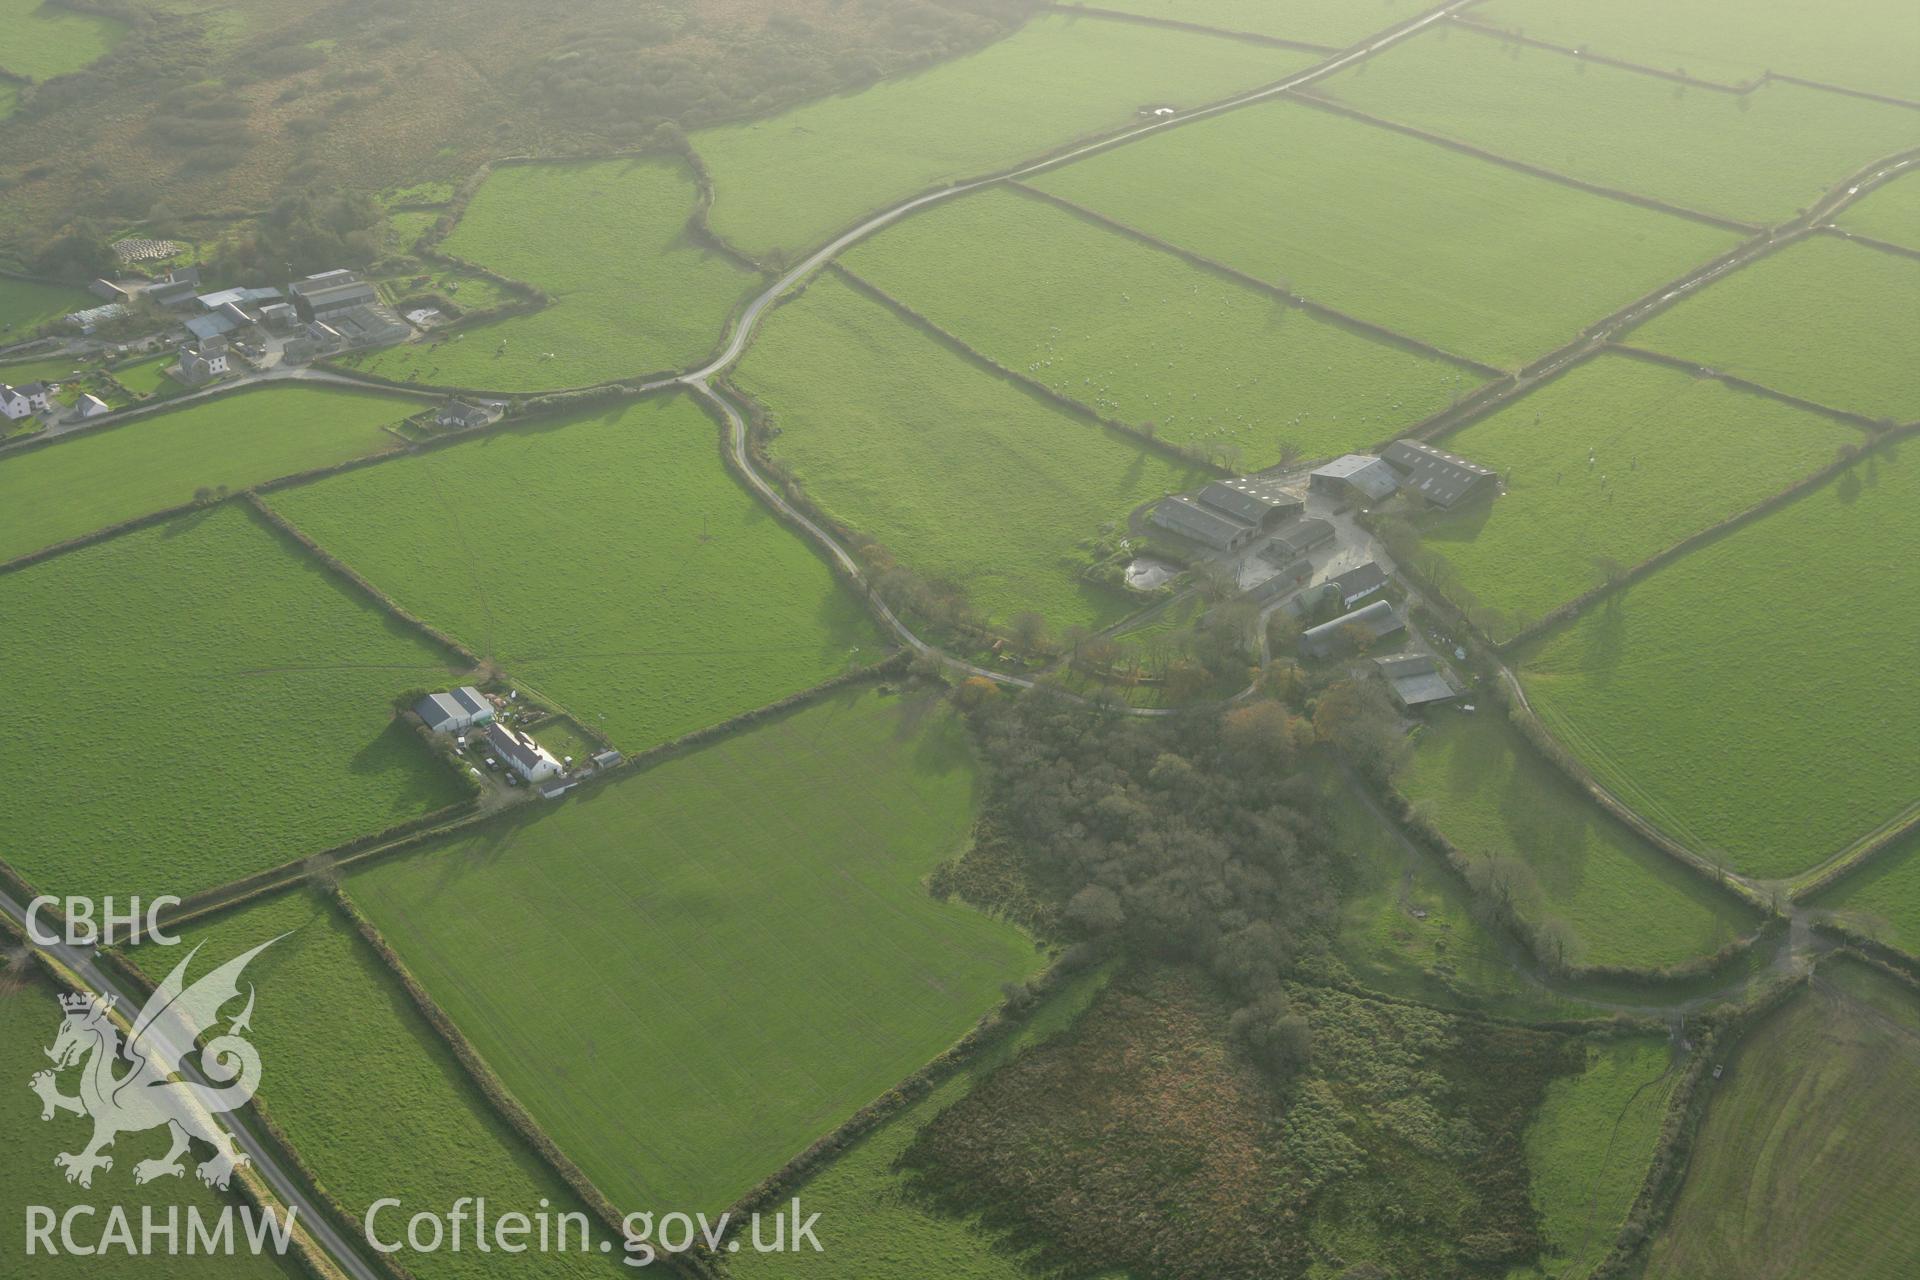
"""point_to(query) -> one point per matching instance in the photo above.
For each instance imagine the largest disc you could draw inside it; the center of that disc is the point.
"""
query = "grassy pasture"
(1142, 337)
(879, 1227)
(1719, 696)
(1805, 1165)
(150, 376)
(644, 591)
(198, 700)
(1857, 44)
(72, 487)
(29, 1018)
(1628, 904)
(45, 40)
(958, 473)
(632, 293)
(25, 305)
(1653, 433)
(1825, 319)
(336, 1031)
(1881, 899)
(790, 182)
(1486, 263)
(1759, 158)
(1330, 22)
(1890, 213)
(754, 911)
(1589, 1145)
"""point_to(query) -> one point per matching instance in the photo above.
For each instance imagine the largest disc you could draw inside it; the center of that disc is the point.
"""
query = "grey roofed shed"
(1188, 518)
(1359, 471)
(439, 711)
(1360, 581)
(1377, 619)
(1298, 539)
(1253, 501)
(1442, 478)
(213, 325)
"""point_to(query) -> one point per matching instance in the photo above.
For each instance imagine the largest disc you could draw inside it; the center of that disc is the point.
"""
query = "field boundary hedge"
(103, 534)
(1563, 614)
(342, 569)
(1673, 1150)
(1856, 855)
(953, 342)
(1363, 328)
(1871, 242)
(1527, 167)
(1532, 42)
(1198, 28)
(1698, 370)
(1407, 816)
(123, 968)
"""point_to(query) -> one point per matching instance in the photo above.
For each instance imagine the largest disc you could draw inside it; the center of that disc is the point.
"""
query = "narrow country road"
(311, 1219)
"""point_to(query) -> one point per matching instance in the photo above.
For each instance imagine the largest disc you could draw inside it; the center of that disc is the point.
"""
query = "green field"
(1627, 904)
(25, 305)
(45, 40)
(196, 701)
(1488, 263)
(1738, 698)
(1825, 319)
(1882, 898)
(1670, 454)
(879, 1227)
(1144, 338)
(72, 487)
(29, 1019)
(1589, 1146)
(790, 182)
(336, 1032)
(1857, 44)
(1336, 23)
(1890, 213)
(632, 292)
(1805, 1165)
(754, 913)
(1759, 157)
(960, 474)
(150, 377)
(607, 559)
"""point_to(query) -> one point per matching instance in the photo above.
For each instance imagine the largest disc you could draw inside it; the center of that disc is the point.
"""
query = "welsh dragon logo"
(134, 1087)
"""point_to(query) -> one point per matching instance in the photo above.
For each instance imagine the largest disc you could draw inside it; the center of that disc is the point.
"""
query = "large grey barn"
(1442, 478)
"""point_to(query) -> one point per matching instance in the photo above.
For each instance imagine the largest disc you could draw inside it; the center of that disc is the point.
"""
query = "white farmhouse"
(522, 754)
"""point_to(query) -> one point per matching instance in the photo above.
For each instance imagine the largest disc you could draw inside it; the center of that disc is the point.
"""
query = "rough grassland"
(1474, 258)
(72, 487)
(196, 701)
(1805, 1166)
(1589, 1146)
(29, 1019)
(367, 1092)
(1407, 926)
(632, 292)
(1891, 213)
(1825, 319)
(1857, 44)
(1144, 338)
(736, 948)
(25, 305)
(1628, 904)
(879, 1227)
(607, 559)
(791, 181)
(1330, 22)
(960, 474)
(1881, 899)
(1671, 455)
(1721, 698)
(44, 40)
(1760, 157)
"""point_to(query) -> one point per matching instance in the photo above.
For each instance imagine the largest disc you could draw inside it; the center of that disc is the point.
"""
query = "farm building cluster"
(1409, 467)
(500, 745)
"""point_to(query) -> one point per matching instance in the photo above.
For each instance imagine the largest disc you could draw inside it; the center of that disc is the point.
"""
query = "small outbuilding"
(1417, 679)
(1358, 583)
(1297, 539)
(460, 415)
